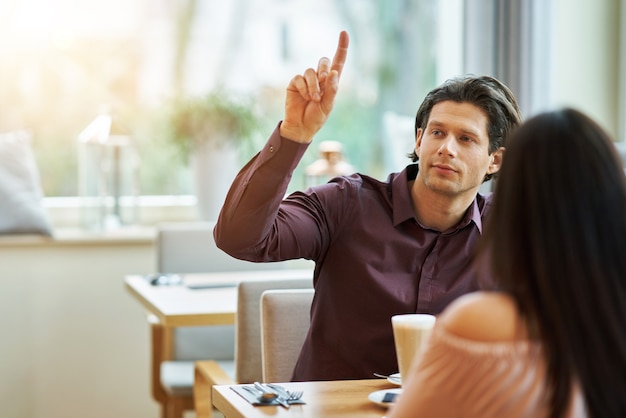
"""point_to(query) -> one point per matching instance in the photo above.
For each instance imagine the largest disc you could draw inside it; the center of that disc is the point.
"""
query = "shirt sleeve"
(257, 222)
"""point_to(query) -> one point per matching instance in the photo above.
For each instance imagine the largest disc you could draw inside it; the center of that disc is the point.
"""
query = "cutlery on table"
(263, 397)
(288, 395)
(393, 378)
(266, 389)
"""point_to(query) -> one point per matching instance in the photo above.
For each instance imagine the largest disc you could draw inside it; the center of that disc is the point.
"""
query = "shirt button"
(271, 148)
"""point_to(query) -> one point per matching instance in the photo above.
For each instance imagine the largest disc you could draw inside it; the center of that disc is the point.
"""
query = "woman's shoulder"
(483, 316)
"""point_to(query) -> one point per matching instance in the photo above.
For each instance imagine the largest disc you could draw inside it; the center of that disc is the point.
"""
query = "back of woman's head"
(558, 245)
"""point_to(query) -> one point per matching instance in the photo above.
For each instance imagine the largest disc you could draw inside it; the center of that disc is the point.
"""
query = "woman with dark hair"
(552, 341)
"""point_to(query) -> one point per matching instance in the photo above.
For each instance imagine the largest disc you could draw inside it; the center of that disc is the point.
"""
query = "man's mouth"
(444, 168)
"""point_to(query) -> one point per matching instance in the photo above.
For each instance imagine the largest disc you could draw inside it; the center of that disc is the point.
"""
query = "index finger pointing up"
(342, 52)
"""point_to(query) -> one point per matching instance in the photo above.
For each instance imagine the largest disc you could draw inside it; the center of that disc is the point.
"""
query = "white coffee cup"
(410, 331)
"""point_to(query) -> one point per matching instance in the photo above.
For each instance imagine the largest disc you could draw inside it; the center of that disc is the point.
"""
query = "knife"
(281, 391)
(266, 389)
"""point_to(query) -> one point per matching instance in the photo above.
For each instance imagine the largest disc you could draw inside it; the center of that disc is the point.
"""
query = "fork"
(295, 395)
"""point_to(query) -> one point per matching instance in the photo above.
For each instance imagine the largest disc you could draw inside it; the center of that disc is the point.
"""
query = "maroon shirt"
(373, 259)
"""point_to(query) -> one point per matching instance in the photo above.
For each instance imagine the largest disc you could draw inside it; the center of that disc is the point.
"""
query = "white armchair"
(285, 320)
(190, 248)
(248, 357)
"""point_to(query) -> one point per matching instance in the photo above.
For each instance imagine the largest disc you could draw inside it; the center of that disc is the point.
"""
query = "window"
(61, 61)
(64, 61)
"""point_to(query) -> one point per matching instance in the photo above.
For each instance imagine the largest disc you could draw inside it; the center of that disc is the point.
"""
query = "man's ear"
(418, 141)
(496, 160)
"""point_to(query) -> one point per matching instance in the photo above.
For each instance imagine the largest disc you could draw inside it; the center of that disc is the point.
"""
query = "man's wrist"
(294, 133)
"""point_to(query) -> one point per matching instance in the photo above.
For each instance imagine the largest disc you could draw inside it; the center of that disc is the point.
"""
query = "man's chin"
(443, 186)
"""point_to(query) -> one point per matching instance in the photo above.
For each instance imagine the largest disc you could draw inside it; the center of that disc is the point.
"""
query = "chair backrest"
(248, 337)
(285, 320)
(189, 247)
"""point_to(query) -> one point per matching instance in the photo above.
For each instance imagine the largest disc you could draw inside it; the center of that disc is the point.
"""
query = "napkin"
(248, 396)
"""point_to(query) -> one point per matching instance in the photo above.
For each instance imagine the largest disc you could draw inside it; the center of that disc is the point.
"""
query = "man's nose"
(448, 145)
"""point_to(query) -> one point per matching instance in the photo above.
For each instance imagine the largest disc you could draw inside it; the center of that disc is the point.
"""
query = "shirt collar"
(400, 196)
(403, 206)
(472, 215)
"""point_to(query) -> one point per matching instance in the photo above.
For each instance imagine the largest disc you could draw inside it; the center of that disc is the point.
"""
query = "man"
(380, 248)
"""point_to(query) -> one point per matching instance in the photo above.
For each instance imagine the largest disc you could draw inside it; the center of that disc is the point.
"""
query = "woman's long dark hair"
(557, 244)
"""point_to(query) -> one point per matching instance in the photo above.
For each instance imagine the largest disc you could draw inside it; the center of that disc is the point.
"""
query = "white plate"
(377, 397)
(395, 379)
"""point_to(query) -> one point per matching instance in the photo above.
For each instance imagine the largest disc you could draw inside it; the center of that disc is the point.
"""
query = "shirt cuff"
(282, 152)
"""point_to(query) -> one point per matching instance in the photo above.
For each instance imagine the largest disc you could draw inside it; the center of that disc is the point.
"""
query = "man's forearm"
(254, 198)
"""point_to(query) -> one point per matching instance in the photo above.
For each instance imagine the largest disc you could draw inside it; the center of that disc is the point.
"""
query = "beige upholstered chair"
(285, 320)
(248, 362)
(190, 248)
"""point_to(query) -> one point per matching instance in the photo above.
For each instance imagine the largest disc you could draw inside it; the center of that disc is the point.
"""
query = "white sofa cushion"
(21, 210)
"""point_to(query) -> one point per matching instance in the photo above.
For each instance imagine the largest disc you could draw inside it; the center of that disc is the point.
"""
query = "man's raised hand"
(311, 95)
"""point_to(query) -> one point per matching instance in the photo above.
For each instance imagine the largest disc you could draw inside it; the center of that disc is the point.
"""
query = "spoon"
(267, 397)
(392, 378)
(263, 389)
(263, 397)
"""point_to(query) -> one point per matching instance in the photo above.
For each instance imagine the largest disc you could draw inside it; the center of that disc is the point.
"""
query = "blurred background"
(143, 75)
(63, 62)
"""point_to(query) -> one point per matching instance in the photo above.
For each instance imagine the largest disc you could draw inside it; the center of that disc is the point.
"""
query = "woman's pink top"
(457, 377)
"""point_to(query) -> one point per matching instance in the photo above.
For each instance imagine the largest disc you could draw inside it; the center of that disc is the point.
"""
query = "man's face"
(453, 149)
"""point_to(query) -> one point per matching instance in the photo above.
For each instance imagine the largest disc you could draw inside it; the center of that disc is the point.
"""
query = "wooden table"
(337, 398)
(180, 305)
(172, 306)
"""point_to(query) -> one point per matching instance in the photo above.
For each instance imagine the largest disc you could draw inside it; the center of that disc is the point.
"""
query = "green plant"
(215, 117)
